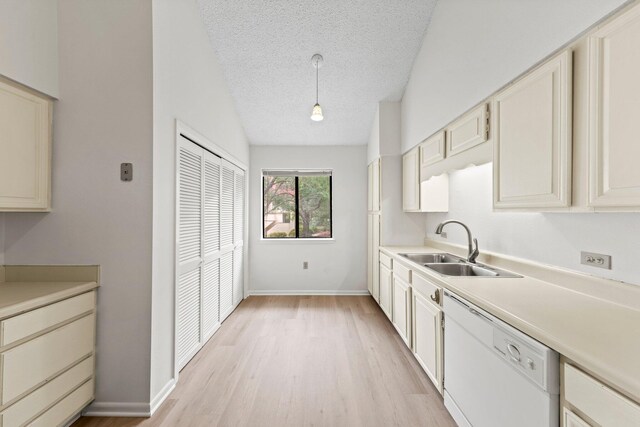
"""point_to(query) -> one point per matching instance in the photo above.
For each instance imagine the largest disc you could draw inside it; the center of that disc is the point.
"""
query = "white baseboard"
(308, 292)
(162, 395)
(118, 409)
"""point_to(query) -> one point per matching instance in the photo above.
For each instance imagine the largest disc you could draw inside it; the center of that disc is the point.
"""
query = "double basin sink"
(451, 265)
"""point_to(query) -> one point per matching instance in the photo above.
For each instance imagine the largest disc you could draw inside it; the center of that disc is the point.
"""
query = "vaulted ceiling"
(265, 49)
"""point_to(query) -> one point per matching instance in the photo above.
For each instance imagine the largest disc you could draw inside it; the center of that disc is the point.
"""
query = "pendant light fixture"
(316, 113)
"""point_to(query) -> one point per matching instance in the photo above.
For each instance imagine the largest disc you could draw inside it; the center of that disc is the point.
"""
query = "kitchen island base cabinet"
(402, 309)
(427, 336)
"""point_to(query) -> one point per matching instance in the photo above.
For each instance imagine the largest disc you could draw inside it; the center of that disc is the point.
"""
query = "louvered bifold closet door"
(189, 244)
(238, 237)
(211, 245)
(226, 238)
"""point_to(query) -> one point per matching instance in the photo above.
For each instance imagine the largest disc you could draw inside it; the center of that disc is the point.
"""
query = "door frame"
(184, 130)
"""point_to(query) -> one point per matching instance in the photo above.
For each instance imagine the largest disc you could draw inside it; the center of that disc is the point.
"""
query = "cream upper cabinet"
(432, 150)
(370, 187)
(411, 181)
(614, 113)
(468, 131)
(532, 137)
(25, 149)
(375, 185)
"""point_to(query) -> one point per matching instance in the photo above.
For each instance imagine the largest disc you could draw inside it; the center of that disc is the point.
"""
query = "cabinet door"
(370, 253)
(532, 152)
(375, 187)
(570, 419)
(375, 256)
(411, 181)
(25, 150)
(385, 290)
(468, 131)
(614, 176)
(401, 309)
(432, 149)
(370, 187)
(427, 337)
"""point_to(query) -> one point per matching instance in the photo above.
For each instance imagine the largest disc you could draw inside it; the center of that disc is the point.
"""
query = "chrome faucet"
(473, 247)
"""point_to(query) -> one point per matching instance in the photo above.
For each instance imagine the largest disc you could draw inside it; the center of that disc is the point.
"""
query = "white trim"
(162, 395)
(117, 409)
(309, 292)
(189, 132)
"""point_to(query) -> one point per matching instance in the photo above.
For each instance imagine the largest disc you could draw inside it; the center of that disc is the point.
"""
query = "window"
(296, 204)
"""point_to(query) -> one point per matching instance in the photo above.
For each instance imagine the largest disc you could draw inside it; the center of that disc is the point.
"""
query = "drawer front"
(600, 403)
(30, 364)
(44, 397)
(386, 260)
(430, 291)
(402, 272)
(34, 321)
(62, 411)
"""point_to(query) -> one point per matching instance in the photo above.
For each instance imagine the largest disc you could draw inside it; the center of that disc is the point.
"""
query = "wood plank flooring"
(300, 361)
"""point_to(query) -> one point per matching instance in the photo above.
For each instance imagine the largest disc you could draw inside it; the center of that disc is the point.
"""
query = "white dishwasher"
(494, 375)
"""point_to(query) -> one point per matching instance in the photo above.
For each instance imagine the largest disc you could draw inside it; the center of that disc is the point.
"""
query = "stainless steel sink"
(468, 270)
(433, 258)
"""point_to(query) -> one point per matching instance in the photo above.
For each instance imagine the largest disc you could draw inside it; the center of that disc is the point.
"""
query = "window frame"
(296, 213)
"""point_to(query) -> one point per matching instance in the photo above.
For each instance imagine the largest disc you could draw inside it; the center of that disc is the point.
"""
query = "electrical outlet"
(596, 260)
(305, 265)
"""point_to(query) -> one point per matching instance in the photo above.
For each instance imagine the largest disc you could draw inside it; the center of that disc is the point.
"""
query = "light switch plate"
(596, 260)
(126, 171)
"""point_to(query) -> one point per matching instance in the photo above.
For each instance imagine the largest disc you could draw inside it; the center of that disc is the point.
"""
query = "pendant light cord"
(317, 71)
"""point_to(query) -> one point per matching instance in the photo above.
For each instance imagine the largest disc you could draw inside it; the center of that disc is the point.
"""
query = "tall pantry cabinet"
(373, 229)
(210, 241)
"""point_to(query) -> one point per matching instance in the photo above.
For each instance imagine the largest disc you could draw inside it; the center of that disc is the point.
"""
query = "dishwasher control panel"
(521, 356)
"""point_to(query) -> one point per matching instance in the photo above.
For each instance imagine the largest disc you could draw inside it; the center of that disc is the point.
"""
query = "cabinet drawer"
(30, 364)
(430, 291)
(62, 411)
(402, 272)
(386, 260)
(600, 403)
(36, 402)
(34, 321)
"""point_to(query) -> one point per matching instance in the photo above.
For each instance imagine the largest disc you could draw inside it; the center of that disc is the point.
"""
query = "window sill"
(301, 240)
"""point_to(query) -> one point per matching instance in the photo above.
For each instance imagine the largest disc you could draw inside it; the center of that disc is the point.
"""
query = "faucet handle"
(474, 254)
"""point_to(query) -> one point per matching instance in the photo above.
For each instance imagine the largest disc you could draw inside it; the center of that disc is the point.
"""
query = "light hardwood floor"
(300, 361)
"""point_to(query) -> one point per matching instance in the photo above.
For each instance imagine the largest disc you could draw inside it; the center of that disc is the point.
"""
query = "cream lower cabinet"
(386, 284)
(402, 308)
(25, 149)
(601, 404)
(47, 363)
(614, 66)
(426, 320)
(533, 138)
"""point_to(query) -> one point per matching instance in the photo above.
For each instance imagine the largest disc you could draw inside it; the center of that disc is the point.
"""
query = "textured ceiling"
(265, 48)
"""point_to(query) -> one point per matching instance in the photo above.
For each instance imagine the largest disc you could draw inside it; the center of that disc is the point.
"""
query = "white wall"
(29, 43)
(549, 238)
(103, 118)
(472, 48)
(188, 85)
(338, 266)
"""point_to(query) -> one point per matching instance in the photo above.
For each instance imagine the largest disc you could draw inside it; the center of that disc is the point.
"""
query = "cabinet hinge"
(442, 320)
(487, 125)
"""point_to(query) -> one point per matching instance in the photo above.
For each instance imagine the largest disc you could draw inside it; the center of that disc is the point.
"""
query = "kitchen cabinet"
(402, 308)
(614, 66)
(47, 362)
(468, 131)
(411, 181)
(532, 138)
(25, 149)
(373, 254)
(571, 419)
(426, 331)
(373, 185)
(386, 284)
(603, 405)
(432, 150)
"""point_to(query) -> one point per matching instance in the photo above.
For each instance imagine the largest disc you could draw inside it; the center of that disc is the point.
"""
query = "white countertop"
(18, 297)
(602, 336)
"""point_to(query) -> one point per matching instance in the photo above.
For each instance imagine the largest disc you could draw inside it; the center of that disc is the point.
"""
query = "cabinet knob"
(436, 296)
